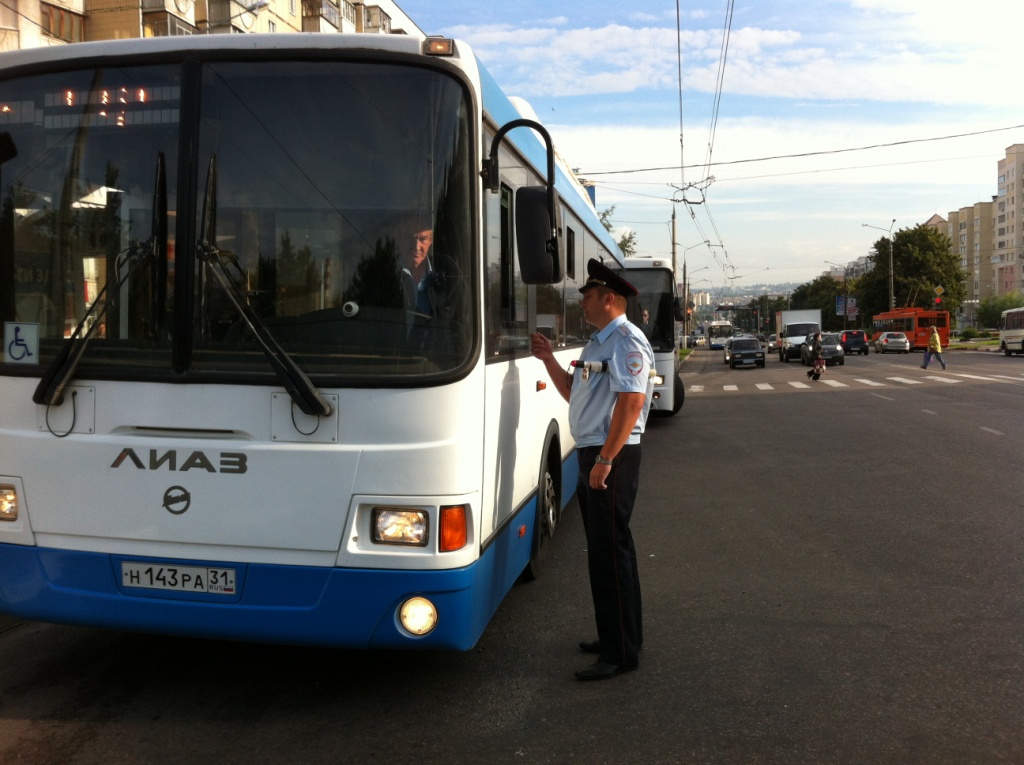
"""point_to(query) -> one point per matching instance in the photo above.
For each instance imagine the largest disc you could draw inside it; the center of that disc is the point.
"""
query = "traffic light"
(938, 301)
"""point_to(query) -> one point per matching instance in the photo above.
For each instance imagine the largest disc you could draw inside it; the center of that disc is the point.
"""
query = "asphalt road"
(832, 573)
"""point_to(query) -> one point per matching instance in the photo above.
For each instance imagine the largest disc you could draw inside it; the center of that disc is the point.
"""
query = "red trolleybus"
(915, 323)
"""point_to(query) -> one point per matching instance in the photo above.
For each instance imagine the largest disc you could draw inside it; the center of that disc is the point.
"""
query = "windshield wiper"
(50, 390)
(299, 387)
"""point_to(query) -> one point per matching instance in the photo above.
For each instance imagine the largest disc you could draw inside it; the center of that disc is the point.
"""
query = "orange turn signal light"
(439, 46)
(454, 531)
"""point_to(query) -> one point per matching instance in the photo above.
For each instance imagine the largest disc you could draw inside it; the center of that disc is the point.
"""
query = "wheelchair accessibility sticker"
(21, 342)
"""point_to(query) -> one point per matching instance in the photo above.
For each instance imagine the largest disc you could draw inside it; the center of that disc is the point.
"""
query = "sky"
(904, 106)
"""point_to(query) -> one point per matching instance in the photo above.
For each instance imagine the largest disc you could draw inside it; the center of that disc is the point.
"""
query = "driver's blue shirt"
(629, 361)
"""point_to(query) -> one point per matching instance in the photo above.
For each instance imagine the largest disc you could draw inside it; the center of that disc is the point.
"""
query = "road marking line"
(870, 382)
(942, 379)
(884, 398)
(835, 384)
(974, 377)
(800, 385)
(696, 388)
(764, 386)
(928, 411)
(904, 380)
(993, 432)
(730, 387)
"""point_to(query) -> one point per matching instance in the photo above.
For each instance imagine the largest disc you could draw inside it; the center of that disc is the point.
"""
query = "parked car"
(772, 339)
(896, 342)
(831, 351)
(854, 341)
(744, 352)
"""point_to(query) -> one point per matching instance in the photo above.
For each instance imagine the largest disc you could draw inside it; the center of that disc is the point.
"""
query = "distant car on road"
(895, 342)
(831, 351)
(772, 340)
(744, 352)
(854, 341)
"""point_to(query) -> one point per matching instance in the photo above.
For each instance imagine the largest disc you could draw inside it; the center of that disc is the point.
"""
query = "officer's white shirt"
(591, 401)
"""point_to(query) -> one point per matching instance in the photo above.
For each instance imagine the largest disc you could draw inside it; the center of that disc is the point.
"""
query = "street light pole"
(892, 294)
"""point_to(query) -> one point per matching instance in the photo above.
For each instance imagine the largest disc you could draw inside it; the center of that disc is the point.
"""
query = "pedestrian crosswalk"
(946, 378)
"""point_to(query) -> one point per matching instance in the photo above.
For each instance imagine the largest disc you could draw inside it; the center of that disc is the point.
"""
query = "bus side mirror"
(679, 309)
(538, 238)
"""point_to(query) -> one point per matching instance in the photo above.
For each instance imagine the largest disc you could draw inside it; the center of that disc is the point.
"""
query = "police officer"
(609, 394)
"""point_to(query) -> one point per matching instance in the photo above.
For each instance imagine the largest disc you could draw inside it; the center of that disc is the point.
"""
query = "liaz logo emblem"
(177, 500)
(223, 462)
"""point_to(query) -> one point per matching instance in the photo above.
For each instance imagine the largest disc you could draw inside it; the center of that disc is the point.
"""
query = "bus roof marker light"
(438, 46)
(8, 503)
(418, 615)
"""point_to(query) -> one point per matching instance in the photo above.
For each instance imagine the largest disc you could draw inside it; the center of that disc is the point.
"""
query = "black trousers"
(611, 555)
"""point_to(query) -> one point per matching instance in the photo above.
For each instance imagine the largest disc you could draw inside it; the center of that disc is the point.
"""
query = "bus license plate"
(220, 581)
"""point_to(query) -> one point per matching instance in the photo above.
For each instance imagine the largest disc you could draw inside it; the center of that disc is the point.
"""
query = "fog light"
(395, 526)
(658, 380)
(8, 503)
(418, 615)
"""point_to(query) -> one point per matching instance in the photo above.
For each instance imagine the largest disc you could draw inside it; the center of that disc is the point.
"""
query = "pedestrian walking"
(609, 393)
(817, 359)
(934, 350)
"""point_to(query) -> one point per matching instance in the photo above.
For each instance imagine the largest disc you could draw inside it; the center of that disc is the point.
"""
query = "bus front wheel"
(548, 512)
(678, 394)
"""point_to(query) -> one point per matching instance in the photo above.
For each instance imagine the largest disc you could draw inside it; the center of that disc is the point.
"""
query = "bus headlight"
(397, 526)
(658, 380)
(418, 615)
(8, 503)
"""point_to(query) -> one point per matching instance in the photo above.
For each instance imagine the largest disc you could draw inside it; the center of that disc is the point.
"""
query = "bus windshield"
(652, 309)
(355, 260)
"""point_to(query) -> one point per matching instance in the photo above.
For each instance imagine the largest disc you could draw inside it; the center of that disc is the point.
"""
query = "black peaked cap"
(599, 275)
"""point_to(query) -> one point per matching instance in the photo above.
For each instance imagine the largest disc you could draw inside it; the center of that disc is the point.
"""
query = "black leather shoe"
(601, 671)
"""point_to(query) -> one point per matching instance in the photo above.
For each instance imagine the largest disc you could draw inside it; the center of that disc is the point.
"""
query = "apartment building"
(971, 231)
(34, 23)
(1008, 221)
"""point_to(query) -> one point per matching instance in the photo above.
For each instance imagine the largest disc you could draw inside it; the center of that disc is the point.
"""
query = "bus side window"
(501, 306)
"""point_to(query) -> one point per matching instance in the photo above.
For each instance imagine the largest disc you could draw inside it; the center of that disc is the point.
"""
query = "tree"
(820, 294)
(990, 309)
(922, 259)
(627, 242)
(764, 308)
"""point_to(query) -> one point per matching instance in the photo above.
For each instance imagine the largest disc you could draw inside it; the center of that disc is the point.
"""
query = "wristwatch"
(602, 461)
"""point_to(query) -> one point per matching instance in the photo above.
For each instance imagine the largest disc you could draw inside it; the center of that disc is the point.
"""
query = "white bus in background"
(718, 332)
(1011, 331)
(656, 284)
(228, 410)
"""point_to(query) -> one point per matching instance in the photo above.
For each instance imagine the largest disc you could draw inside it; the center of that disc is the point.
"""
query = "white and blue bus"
(228, 408)
(718, 331)
(656, 309)
(1011, 331)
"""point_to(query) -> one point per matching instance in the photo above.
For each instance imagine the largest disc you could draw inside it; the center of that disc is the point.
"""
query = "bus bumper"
(345, 608)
